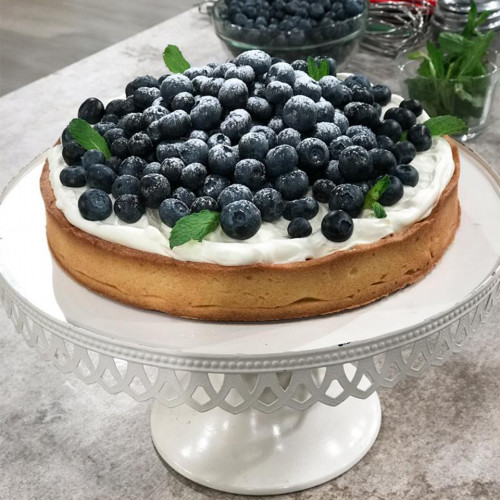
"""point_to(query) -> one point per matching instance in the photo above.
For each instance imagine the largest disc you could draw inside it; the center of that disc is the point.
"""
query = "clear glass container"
(469, 98)
(337, 40)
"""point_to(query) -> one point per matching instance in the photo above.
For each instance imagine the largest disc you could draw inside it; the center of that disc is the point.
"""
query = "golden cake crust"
(261, 292)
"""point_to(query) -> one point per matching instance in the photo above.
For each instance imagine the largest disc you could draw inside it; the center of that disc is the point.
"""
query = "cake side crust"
(259, 292)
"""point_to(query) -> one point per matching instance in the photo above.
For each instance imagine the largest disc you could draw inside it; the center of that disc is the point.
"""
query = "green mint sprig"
(374, 194)
(443, 125)
(317, 70)
(174, 60)
(194, 227)
(85, 135)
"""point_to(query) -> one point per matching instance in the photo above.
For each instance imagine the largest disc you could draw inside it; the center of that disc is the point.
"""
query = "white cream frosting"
(271, 244)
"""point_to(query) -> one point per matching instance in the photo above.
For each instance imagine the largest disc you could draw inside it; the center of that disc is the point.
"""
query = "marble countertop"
(61, 439)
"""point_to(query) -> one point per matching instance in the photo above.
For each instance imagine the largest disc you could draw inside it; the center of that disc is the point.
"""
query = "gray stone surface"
(61, 439)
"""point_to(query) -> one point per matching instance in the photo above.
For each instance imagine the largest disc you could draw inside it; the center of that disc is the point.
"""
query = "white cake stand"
(234, 404)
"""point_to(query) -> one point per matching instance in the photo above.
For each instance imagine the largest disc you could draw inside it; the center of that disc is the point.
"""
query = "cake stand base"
(265, 454)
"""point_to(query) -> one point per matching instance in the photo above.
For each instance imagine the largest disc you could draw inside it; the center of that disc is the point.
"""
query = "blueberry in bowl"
(291, 30)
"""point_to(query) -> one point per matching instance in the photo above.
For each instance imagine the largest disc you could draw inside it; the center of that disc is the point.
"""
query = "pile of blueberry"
(256, 139)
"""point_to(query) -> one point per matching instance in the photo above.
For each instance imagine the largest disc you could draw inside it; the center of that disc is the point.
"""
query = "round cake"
(336, 194)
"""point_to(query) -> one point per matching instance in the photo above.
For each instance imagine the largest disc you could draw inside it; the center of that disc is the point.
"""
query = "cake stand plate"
(235, 405)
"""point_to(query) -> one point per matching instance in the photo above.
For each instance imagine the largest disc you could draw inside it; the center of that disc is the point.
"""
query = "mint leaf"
(174, 60)
(471, 21)
(379, 210)
(85, 135)
(446, 125)
(376, 191)
(193, 227)
(317, 71)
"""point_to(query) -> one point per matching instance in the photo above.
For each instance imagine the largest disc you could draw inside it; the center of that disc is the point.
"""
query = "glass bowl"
(469, 98)
(337, 40)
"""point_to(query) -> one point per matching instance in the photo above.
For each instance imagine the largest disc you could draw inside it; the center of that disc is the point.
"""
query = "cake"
(312, 196)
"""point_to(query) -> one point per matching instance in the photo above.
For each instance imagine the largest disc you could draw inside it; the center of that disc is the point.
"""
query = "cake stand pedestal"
(235, 406)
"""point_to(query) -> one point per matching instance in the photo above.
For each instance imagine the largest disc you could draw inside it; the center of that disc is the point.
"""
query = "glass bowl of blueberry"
(291, 29)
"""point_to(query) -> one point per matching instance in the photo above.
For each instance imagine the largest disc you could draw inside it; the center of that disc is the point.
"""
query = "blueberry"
(171, 168)
(141, 81)
(355, 164)
(193, 176)
(357, 79)
(271, 136)
(199, 134)
(338, 145)
(171, 210)
(111, 135)
(250, 173)
(359, 129)
(313, 155)
(240, 219)
(204, 203)
(95, 204)
(300, 65)
(92, 156)
(218, 138)
(125, 184)
(233, 94)
(403, 151)
(195, 71)
(326, 132)
(308, 87)
(393, 193)
(341, 121)
(152, 168)
(234, 192)
(185, 195)
(133, 165)
(403, 116)
(383, 160)
(332, 89)
(259, 109)
(321, 189)
(384, 142)
(194, 151)
(145, 96)
(276, 123)
(407, 174)
(278, 92)
(73, 176)
(361, 113)
(91, 110)
(281, 72)
(72, 153)
(362, 94)
(326, 111)
(222, 160)
(337, 226)
(270, 204)
(66, 136)
(107, 123)
(236, 124)
(206, 113)
(253, 145)
(354, 7)
(153, 113)
(258, 90)
(183, 101)
(378, 109)
(420, 136)
(259, 60)
(300, 113)
(198, 81)
(132, 123)
(128, 208)
(281, 160)
(116, 107)
(303, 207)
(175, 84)
(114, 163)
(176, 124)
(347, 197)
(154, 189)
(365, 140)
(100, 177)
(214, 185)
(289, 136)
(413, 105)
(212, 86)
(382, 94)
(244, 73)
(292, 185)
(332, 172)
(299, 228)
(139, 145)
(389, 127)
